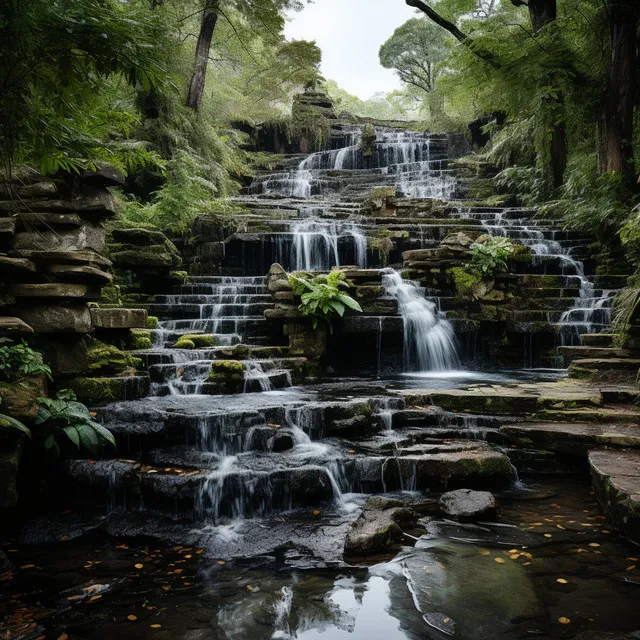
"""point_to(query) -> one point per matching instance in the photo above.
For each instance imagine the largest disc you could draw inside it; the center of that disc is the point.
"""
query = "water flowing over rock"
(429, 340)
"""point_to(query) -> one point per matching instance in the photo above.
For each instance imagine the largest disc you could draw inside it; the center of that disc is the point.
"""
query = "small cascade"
(315, 245)
(429, 339)
(552, 251)
(413, 162)
(218, 311)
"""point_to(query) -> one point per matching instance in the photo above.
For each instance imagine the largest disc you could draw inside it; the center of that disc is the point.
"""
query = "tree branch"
(462, 37)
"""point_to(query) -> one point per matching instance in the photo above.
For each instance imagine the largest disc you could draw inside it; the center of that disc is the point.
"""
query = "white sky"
(350, 32)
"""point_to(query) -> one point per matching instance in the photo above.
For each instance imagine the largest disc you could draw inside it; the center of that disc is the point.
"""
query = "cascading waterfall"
(429, 339)
(316, 245)
(592, 307)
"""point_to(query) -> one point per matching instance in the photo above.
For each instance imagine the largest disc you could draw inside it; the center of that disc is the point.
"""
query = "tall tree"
(415, 51)
(616, 122)
(203, 46)
(541, 14)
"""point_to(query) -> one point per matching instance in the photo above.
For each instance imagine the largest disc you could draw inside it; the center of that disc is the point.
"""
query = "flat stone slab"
(16, 265)
(49, 290)
(84, 256)
(571, 438)
(119, 318)
(10, 325)
(616, 480)
(510, 399)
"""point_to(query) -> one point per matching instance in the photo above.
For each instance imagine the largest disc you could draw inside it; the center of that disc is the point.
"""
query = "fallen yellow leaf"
(564, 620)
(499, 560)
(156, 626)
(138, 566)
(484, 552)
(562, 581)
(132, 617)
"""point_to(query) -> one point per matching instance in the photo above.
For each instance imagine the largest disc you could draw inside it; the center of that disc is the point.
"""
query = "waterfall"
(429, 339)
(316, 245)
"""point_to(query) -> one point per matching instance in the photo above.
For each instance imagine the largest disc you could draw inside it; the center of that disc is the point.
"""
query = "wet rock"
(119, 318)
(80, 273)
(379, 526)
(10, 454)
(103, 175)
(138, 237)
(487, 596)
(68, 318)
(65, 354)
(16, 266)
(13, 326)
(616, 480)
(89, 236)
(465, 504)
(52, 290)
(19, 397)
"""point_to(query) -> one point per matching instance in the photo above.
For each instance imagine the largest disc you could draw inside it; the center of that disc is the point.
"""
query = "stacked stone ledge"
(52, 263)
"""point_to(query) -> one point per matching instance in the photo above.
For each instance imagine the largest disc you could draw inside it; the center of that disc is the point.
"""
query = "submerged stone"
(465, 504)
(379, 526)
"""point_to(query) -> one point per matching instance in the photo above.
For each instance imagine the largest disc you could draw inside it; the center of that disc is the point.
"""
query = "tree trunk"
(615, 126)
(542, 13)
(199, 77)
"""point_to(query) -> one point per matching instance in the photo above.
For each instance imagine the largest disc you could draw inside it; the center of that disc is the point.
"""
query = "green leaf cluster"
(323, 297)
(491, 256)
(63, 420)
(20, 360)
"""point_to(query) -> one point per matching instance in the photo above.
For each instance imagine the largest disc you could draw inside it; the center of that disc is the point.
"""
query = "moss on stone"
(140, 339)
(183, 343)
(228, 376)
(108, 359)
(152, 322)
(196, 341)
(96, 391)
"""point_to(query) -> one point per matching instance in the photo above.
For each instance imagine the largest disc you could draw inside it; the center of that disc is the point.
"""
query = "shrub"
(491, 255)
(63, 420)
(20, 360)
(322, 298)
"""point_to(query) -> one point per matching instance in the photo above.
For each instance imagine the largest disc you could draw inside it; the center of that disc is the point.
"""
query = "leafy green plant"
(322, 297)
(64, 419)
(20, 360)
(7, 422)
(491, 255)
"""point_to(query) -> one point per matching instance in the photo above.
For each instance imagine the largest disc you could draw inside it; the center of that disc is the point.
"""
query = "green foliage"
(64, 67)
(397, 105)
(7, 422)
(62, 421)
(417, 51)
(20, 360)
(322, 298)
(491, 255)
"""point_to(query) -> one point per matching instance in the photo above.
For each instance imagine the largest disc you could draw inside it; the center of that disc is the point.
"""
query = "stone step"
(208, 311)
(616, 480)
(219, 298)
(610, 414)
(503, 400)
(603, 340)
(571, 438)
(596, 353)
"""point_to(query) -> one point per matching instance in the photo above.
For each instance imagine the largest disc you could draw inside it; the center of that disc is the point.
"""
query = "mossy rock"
(196, 341)
(184, 344)
(228, 376)
(108, 359)
(19, 398)
(140, 339)
(152, 322)
(97, 391)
